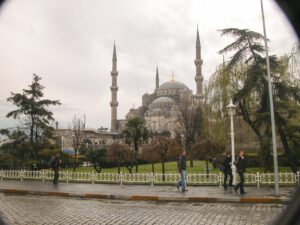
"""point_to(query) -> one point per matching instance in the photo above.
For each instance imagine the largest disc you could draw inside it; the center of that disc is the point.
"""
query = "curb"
(152, 198)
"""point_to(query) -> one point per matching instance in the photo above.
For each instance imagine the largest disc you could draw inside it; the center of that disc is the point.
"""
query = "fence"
(257, 179)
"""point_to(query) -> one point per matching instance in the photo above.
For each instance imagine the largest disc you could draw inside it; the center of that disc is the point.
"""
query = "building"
(160, 108)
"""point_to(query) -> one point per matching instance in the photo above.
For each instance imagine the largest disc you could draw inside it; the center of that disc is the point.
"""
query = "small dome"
(173, 85)
(163, 99)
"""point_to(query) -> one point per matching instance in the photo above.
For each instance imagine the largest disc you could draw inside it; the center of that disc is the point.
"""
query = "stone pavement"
(146, 192)
(31, 210)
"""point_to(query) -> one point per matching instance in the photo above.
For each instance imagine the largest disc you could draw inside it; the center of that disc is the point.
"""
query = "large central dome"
(172, 85)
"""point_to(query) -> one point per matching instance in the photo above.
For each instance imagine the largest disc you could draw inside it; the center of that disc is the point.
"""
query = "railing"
(257, 179)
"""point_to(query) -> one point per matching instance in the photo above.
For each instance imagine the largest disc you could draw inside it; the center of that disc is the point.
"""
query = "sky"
(69, 44)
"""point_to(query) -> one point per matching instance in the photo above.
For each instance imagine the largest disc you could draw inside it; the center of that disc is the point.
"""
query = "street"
(18, 209)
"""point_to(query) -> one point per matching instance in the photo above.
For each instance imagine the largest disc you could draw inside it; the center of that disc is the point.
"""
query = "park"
(92, 132)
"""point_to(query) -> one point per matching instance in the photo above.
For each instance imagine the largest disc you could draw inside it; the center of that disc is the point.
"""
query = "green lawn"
(170, 167)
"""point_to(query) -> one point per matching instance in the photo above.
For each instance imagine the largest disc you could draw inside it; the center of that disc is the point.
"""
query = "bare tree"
(122, 155)
(165, 148)
(76, 129)
(190, 118)
(150, 155)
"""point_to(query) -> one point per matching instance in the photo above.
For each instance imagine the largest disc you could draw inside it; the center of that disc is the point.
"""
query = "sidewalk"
(146, 192)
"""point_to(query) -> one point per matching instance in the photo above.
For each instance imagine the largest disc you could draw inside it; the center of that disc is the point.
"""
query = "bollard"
(93, 177)
(43, 175)
(67, 177)
(258, 179)
(220, 179)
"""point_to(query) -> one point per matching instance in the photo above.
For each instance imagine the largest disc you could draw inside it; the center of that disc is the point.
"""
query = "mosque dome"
(172, 84)
(163, 100)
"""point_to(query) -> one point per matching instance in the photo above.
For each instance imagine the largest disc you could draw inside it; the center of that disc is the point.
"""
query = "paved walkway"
(34, 210)
(147, 192)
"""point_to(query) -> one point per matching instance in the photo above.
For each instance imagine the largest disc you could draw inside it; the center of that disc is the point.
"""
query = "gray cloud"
(69, 44)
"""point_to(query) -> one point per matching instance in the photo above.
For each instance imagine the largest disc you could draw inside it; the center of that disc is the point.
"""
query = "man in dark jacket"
(55, 165)
(241, 169)
(181, 168)
(227, 170)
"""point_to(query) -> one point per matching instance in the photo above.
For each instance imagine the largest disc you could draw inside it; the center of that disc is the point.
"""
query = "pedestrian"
(227, 170)
(241, 169)
(55, 165)
(181, 164)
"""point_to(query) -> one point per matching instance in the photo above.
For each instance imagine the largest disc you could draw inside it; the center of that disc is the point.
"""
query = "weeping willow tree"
(243, 78)
(219, 90)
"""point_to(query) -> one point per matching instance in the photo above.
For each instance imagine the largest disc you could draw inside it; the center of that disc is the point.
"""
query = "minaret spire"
(198, 45)
(114, 92)
(157, 79)
(199, 78)
(114, 53)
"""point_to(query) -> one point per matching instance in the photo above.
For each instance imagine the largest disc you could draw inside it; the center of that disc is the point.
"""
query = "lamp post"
(276, 179)
(231, 111)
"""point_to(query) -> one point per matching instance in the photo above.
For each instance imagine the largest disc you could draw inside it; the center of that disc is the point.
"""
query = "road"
(18, 209)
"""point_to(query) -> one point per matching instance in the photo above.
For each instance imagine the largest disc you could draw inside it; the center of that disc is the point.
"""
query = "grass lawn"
(170, 167)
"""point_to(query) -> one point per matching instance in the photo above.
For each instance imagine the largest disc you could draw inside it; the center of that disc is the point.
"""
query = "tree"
(247, 46)
(98, 158)
(190, 118)
(135, 133)
(33, 110)
(165, 148)
(206, 149)
(150, 154)
(122, 155)
(18, 148)
(250, 91)
(76, 129)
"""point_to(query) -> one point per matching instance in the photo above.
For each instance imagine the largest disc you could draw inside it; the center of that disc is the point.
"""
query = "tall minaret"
(114, 92)
(157, 79)
(199, 78)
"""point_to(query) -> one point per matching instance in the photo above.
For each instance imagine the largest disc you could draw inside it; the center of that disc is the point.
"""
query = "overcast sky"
(69, 44)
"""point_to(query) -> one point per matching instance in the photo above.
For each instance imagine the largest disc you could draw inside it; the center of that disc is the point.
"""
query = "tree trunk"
(74, 164)
(31, 130)
(207, 171)
(97, 170)
(118, 168)
(163, 170)
(136, 156)
(265, 154)
(287, 149)
(191, 163)
(153, 168)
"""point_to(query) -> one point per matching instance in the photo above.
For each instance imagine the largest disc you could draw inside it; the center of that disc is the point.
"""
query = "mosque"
(159, 109)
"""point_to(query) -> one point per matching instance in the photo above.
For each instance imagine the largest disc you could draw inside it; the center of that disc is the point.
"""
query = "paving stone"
(16, 209)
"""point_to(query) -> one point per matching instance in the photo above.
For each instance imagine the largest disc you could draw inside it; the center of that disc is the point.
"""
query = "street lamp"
(231, 111)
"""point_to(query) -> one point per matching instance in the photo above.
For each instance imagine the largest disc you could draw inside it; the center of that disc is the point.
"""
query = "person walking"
(181, 164)
(55, 165)
(241, 169)
(227, 170)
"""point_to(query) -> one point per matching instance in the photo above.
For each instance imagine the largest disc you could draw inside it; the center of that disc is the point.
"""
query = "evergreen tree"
(34, 112)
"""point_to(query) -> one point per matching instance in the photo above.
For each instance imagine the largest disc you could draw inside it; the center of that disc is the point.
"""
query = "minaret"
(199, 78)
(157, 79)
(114, 92)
